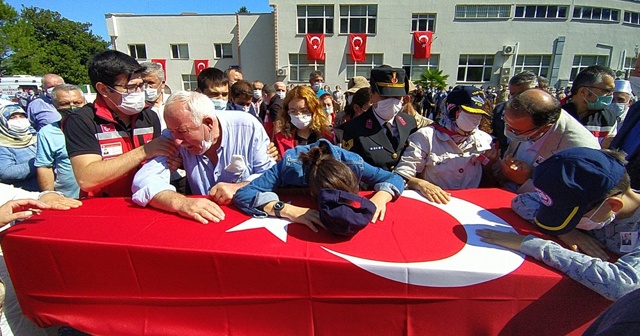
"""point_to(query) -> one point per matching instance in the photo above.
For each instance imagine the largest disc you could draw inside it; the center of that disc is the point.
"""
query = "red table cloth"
(113, 268)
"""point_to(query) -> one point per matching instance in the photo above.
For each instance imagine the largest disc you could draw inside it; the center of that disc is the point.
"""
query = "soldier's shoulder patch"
(347, 144)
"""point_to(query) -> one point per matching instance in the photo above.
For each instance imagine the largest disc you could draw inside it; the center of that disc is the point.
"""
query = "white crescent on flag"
(425, 38)
(201, 66)
(475, 263)
(357, 46)
(315, 46)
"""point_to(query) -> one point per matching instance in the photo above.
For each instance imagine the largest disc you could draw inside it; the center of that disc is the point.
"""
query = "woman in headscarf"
(17, 147)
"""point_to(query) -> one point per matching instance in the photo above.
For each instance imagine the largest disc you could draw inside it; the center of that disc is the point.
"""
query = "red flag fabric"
(422, 44)
(200, 65)
(315, 47)
(163, 64)
(357, 47)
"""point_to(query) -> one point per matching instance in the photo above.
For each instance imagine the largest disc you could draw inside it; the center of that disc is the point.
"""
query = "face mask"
(281, 94)
(467, 122)
(635, 85)
(513, 137)
(600, 104)
(220, 104)
(349, 99)
(328, 110)
(205, 144)
(618, 109)
(132, 103)
(246, 108)
(67, 111)
(301, 121)
(19, 125)
(388, 108)
(316, 86)
(257, 94)
(588, 224)
(151, 94)
(48, 92)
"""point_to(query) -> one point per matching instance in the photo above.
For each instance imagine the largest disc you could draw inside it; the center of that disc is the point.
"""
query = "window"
(538, 64)
(415, 67)
(596, 13)
(138, 51)
(631, 17)
(315, 19)
(300, 68)
(180, 51)
(629, 64)
(580, 62)
(222, 50)
(483, 11)
(423, 22)
(541, 12)
(189, 82)
(363, 68)
(358, 19)
(475, 68)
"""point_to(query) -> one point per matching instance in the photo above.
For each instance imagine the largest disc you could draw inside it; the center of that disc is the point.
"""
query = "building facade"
(479, 44)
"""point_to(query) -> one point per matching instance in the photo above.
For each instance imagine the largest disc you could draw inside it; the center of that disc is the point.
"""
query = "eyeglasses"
(518, 132)
(131, 88)
(299, 112)
(606, 92)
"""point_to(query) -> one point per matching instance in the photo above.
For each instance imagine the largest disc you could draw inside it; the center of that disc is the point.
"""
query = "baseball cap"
(470, 98)
(344, 213)
(389, 82)
(568, 184)
(622, 86)
(322, 93)
(356, 83)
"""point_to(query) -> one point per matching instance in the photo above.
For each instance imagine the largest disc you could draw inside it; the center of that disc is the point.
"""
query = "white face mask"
(132, 103)
(18, 125)
(388, 108)
(467, 122)
(151, 94)
(246, 108)
(281, 94)
(316, 86)
(618, 109)
(301, 121)
(349, 99)
(635, 85)
(205, 144)
(220, 104)
(49, 92)
(586, 223)
(328, 110)
(257, 94)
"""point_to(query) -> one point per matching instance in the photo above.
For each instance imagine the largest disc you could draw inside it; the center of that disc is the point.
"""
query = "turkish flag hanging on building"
(200, 65)
(163, 64)
(315, 47)
(357, 47)
(422, 44)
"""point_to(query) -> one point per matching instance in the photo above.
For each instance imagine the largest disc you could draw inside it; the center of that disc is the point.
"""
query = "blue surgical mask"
(220, 104)
(600, 104)
(618, 109)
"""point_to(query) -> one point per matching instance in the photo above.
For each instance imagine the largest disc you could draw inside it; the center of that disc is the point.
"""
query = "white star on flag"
(277, 226)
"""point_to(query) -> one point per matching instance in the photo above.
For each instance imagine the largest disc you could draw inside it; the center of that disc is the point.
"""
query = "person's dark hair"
(268, 89)
(542, 107)
(210, 76)
(228, 71)
(590, 76)
(241, 88)
(524, 78)
(623, 185)
(322, 171)
(361, 97)
(315, 74)
(106, 66)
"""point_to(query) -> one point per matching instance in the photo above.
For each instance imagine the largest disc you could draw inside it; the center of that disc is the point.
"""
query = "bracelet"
(48, 192)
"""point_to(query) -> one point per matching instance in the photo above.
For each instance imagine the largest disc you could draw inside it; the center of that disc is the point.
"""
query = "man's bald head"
(539, 105)
(51, 80)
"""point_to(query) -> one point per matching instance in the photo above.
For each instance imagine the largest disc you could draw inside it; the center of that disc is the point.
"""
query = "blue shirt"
(16, 167)
(41, 112)
(289, 172)
(52, 152)
(242, 156)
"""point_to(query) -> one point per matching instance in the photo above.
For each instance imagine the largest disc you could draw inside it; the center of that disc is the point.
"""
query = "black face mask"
(67, 111)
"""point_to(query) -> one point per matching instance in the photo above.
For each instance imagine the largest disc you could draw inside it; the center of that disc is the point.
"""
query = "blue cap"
(322, 92)
(344, 213)
(569, 183)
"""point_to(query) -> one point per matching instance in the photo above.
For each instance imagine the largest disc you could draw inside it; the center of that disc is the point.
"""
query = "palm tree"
(433, 78)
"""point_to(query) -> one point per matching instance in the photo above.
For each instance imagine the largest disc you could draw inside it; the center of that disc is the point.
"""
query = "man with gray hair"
(41, 110)
(153, 78)
(221, 150)
(519, 83)
(53, 167)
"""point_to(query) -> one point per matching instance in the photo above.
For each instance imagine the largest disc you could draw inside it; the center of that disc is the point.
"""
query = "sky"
(93, 11)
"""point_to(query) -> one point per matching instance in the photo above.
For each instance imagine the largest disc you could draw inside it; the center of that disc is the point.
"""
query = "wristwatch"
(278, 207)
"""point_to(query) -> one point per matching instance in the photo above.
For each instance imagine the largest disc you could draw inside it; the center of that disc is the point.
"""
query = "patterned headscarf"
(10, 138)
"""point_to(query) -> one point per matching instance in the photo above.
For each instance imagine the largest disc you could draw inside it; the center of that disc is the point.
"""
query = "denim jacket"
(289, 172)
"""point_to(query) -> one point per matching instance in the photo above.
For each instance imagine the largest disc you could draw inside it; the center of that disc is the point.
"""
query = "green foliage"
(243, 10)
(433, 78)
(41, 41)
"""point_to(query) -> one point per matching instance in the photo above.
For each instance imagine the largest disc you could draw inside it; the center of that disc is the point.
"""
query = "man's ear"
(615, 203)
(102, 89)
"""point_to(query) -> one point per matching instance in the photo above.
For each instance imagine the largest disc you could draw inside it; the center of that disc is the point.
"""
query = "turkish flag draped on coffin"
(163, 64)
(422, 44)
(315, 47)
(200, 65)
(357, 47)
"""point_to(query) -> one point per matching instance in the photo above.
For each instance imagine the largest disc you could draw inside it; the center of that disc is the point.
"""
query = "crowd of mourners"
(569, 155)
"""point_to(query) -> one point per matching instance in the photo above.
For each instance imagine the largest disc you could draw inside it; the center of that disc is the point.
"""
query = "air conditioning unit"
(282, 72)
(508, 50)
(506, 72)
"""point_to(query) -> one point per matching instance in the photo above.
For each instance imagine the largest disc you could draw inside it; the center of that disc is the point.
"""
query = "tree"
(8, 17)
(243, 10)
(433, 78)
(41, 41)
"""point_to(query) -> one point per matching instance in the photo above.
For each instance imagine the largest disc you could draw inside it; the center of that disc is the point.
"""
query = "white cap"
(622, 86)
